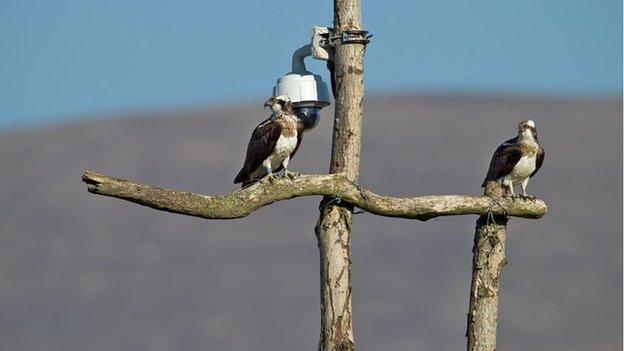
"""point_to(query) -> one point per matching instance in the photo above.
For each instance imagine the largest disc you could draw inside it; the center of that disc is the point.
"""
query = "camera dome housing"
(306, 90)
(308, 94)
(310, 116)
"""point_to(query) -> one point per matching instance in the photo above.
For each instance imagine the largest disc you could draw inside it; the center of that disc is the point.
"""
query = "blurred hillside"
(83, 272)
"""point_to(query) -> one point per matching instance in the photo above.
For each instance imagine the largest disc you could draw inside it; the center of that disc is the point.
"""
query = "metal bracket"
(323, 40)
(321, 47)
(353, 36)
(323, 43)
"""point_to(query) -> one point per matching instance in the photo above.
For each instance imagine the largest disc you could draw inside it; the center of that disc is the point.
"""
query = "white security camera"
(306, 90)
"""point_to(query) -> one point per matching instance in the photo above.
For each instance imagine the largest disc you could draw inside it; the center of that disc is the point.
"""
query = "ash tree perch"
(243, 202)
(341, 194)
(489, 248)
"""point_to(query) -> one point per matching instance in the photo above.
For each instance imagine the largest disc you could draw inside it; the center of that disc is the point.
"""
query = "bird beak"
(267, 104)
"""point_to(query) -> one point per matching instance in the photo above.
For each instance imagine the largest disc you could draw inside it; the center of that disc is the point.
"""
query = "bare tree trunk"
(489, 259)
(333, 228)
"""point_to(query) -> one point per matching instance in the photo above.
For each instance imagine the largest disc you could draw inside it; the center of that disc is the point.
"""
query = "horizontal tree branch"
(242, 202)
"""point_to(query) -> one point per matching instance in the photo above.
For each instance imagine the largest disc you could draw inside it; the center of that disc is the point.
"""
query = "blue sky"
(67, 59)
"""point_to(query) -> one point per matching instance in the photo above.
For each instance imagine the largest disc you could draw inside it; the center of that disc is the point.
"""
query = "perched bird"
(517, 159)
(273, 143)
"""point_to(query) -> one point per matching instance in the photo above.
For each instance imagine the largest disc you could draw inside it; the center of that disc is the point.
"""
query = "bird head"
(527, 129)
(278, 104)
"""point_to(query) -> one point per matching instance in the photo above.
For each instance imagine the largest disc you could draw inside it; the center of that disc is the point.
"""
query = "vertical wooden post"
(333, 229)
(489, 258)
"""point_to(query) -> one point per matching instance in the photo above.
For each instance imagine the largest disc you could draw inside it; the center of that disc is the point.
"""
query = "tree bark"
(333, 229)
(243, 202)
(489, 258)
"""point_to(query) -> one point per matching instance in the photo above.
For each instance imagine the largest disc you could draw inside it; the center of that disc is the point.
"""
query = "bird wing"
(261, 145)
(503, 161)
(539, 160)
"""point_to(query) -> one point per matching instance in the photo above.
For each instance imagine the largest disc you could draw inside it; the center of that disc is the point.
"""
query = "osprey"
(273, 142)
(517, 159)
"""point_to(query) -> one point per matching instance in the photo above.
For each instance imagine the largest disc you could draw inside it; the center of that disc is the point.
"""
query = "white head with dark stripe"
(526, 129)
(279, 104)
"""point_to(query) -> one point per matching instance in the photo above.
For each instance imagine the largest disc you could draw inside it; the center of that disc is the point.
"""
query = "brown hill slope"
(81, 272)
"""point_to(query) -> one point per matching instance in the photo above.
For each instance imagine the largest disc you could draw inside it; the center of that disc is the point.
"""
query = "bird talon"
(291, 175)
(271, 177)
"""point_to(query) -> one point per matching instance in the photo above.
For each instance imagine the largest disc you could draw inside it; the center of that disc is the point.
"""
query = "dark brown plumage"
(282, 123)
(261, 145)
(503, 161)
(505, 158)
(541, 153)
(508, 154)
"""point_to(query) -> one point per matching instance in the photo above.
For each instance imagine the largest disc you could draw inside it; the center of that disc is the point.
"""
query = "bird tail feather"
(241, 176)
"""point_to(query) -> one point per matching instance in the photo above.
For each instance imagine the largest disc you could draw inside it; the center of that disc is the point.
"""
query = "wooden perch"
(241, 203)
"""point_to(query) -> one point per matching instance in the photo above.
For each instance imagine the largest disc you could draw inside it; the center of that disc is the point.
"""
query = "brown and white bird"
(273, 143)
(517, 159)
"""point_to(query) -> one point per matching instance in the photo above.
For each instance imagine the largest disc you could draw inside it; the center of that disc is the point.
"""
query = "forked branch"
(241, 203)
